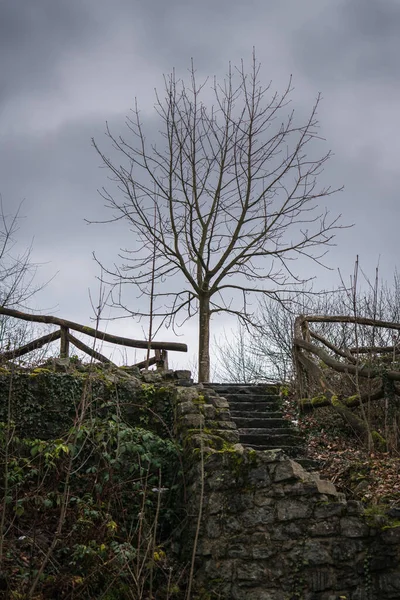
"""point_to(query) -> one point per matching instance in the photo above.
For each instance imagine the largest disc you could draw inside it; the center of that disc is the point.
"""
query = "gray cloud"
(356, 41)
(69, 66)
(33, 39)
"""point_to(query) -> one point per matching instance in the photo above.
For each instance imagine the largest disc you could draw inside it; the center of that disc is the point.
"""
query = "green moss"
(376, 516)
(317, 400)
(39, 371)
(379, 441)
(284, 391)
(393, 525)
(350, 399)
(335, 400)
(200, 400)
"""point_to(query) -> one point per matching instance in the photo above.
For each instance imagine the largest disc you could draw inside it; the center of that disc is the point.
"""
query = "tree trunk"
(204, 338)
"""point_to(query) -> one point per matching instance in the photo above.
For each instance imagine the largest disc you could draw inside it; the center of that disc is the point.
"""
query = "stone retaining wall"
(269, 529)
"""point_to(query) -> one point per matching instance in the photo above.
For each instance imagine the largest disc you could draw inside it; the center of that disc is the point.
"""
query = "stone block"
(219, 402)
(326, 487)
(325, 528)
(238, 551)
(257, 516)
(251, 571)
(215, 503)
(237, 503)
(354, 507)
(288, 469)
(187, 407)
(352, 527)
(331, 509)
(221, 570)
(272, 456)
(192, 421)
(230, 436)
(299, 488)
(213, 527)
(288, 532)
(261, 593)
(205, 548)
(184, 382)
(289, 509)
(209, 411)
(391, 535)
(239, 448)
(345, 550)
(221, 481)
(214, 461)
(382, 561)
(389, 585)
(315, 553)
(223, 414)
(263, 552)
(226, 425)
(260, 537)
(152, 377)
(233, 525)
(182, 374)
(259, 477)
(262, 498)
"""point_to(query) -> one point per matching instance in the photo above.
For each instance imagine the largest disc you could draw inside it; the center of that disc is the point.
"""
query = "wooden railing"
(160, 358)
(351, 376)
(311, 359)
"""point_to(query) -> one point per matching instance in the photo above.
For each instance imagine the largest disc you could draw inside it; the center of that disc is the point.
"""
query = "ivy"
(119, 507)
(44, 404)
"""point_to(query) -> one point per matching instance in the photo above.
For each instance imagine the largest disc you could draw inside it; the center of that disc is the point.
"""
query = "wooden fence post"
(64, 345)
(161, 360)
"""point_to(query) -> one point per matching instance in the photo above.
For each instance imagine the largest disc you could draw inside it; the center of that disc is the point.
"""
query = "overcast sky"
(68, 66)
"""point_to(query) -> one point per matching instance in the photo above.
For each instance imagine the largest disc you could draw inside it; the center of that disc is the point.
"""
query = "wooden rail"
(303, 335)
(365, 376)
(160, 358)
(347, 361)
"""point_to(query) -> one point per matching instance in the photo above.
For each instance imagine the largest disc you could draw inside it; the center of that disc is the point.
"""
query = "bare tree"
(237, 362)
(236, 198)
(17, 274)
(16, 268)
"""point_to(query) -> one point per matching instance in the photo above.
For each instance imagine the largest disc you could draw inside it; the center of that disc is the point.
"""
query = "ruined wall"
(270, 530)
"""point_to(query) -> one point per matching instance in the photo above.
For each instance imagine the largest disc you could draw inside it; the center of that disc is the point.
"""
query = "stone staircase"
(256, 410)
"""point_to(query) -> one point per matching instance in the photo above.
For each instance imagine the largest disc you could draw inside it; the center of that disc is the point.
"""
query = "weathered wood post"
(161, 359)
(301, 331)
(64, 344)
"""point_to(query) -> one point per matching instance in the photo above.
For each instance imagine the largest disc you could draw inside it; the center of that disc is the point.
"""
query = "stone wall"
(269, 530)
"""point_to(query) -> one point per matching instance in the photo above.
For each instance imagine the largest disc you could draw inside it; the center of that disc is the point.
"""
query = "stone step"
(256, 407)
(262, 421)
(252, 397)
(242, 390)
(269, 431)
(256, 411)
(291, 451)
(274, 415)
(272, 441)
